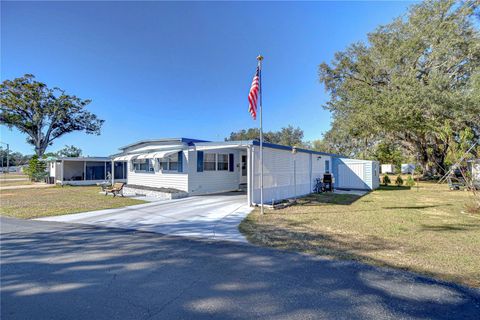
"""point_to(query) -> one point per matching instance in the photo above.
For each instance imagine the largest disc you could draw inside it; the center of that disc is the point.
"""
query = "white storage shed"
(354, 174)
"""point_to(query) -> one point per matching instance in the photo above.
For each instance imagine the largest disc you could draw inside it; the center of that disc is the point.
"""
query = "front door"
(243, 168)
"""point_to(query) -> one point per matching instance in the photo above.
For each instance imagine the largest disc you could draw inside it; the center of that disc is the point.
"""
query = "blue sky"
(156, 69)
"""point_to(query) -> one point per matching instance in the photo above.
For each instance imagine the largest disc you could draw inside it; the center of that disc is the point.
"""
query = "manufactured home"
(199, 167)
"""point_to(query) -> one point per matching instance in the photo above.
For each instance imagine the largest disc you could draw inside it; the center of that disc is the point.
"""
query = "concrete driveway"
(209, 217)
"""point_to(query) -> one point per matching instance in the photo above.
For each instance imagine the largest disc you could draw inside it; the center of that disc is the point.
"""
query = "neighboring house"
(407, 168)
(474, 168)
(201, 167)
(13, 169)
(387, 168)
(85, 170)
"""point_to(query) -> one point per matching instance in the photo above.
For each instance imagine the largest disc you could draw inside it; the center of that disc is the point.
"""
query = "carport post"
(294, 152)
(113, 172)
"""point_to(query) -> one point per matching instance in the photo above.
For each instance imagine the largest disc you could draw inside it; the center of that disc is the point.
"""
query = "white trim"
(220, 147)
(126, 158)
(158, 154)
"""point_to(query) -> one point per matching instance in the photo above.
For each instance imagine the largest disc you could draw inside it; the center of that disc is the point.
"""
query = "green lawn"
(426, 231)
(42, 202)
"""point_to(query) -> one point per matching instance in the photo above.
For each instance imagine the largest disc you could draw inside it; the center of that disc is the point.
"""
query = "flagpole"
(259, 59)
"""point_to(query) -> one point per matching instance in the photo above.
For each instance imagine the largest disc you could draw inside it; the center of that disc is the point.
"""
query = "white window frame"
(150, 168)
(214, 162)
(228, 161)
(168, 162)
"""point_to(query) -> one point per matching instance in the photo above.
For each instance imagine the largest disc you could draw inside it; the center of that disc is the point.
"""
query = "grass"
(13, 179)
(7, 176)
(426, 231)
(9, 183)
(35, 203)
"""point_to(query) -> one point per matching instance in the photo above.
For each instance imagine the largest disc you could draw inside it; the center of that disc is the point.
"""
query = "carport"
(287, 172)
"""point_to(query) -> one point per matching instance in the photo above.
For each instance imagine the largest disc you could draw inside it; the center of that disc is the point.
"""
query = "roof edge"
(188, 141)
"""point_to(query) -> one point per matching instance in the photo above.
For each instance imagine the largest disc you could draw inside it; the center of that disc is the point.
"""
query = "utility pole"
(8, 157)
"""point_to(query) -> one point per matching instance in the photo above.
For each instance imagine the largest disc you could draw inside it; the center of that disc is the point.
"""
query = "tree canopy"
(412, 78)
(69, 151)
(42, 113)
(15, 158)
(289, 136)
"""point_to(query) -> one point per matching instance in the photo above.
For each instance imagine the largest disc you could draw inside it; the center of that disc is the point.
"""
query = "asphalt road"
(52, 270)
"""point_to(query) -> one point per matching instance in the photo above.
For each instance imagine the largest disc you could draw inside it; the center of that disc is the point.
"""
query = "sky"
(182, 69)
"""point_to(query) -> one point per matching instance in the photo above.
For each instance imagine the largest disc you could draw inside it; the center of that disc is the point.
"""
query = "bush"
(410, 181)
(36, 169)
(399, 181)
(386, 180)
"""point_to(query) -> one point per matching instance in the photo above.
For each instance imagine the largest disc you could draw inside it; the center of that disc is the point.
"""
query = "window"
(95, 170)
(222, 162)
(169, 163)
(327, 166)
(244, 166)
(142, 165)
(209, 162)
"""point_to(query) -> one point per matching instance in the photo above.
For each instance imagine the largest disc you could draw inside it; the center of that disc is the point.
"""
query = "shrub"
(410, 181)
(36, 169)
(386, 180)
(399, 181)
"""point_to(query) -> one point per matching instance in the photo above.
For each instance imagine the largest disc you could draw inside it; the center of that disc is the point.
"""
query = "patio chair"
(116, 189)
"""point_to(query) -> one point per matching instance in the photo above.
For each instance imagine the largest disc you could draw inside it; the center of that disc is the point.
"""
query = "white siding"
(318, 166)
(213, 181)
(158, 179)
(278, 173)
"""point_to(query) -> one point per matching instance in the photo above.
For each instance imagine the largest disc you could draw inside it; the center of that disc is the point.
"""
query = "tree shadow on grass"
(79, 272)
(392, 188)
(418, 207)
(315, 199)
(455, 227)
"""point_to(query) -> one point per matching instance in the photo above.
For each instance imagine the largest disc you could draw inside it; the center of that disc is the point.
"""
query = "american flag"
(253, 95)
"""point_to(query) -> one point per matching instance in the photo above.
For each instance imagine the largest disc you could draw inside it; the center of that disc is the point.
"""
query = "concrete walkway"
(207, 217)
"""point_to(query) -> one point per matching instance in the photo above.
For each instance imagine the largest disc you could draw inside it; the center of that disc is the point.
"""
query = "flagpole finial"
(260, 57)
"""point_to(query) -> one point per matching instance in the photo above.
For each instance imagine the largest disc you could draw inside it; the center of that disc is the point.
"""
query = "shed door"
(351, 176)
